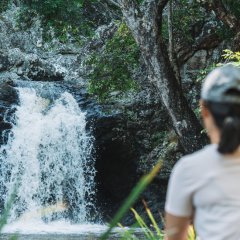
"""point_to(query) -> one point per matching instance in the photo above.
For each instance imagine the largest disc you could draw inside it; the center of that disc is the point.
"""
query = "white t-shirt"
(206, 185)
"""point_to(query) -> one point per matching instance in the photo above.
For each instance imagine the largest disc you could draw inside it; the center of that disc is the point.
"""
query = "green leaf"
(140, 187)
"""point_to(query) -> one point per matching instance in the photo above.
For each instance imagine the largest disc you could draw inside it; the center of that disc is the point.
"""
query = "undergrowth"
(149, 233)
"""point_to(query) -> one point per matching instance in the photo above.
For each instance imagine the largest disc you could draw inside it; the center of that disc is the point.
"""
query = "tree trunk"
(184, 121)
(226, 16)
(145, 24)
(171, 45)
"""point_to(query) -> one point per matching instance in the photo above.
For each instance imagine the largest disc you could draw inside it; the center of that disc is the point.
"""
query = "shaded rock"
(4, 63)
(8, 98)
(39, 70)
(8, 94)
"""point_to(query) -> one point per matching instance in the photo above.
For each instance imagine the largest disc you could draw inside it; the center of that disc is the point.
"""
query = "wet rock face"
(8, 94)
(122, 136)
(25, 56)
(122, 139)
(8, 98)
(123, 128)
(116, 161)
(28, 66)
(124, 132)
(4, 62)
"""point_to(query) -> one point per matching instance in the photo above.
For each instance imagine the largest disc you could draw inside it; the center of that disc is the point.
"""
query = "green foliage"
(228, 56)
(188, 17)
(4, 5)
(233, 6)
(153, 233)
(203, 72)
(224, 32)
(65, 17)
(233, 57)
(113, 68)
(158, 138)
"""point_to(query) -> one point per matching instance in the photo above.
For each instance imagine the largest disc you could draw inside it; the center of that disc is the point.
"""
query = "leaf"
(137, 190)
(155, 225)
(148, 233)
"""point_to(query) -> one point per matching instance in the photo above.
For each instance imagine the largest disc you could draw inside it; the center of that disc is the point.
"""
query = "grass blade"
(155, 225)
(140, 187)
(148, 233)
(191, 233)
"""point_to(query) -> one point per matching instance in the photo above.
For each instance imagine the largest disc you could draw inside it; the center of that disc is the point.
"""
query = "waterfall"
(48, 157)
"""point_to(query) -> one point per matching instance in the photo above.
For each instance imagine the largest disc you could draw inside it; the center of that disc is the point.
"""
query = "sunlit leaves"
(113, 68)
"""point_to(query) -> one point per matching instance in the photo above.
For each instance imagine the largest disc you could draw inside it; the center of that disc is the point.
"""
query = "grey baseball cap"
(222, 85)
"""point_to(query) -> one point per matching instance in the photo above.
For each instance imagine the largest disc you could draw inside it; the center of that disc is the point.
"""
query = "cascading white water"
(48, 157)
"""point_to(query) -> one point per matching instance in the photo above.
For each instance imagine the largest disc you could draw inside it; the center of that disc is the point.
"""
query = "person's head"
(220, 102)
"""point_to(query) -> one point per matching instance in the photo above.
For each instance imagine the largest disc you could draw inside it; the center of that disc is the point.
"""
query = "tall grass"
(140, 187)
(148, 233)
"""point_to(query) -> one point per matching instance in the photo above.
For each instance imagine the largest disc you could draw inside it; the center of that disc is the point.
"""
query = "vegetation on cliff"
(160, 35)
(114, 66)
(73, 17)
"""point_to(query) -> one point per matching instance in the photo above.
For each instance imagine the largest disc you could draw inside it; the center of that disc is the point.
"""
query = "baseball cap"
(222, 85)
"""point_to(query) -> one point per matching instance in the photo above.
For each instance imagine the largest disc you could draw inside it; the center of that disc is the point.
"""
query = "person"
(204, 187)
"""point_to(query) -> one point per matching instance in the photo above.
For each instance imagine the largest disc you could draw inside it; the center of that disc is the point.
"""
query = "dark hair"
(227, 119)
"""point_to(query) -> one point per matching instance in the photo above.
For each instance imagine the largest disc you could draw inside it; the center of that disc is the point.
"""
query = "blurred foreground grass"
(153, 233)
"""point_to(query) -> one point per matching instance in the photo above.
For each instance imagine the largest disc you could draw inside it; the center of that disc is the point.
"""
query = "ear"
(204, 111)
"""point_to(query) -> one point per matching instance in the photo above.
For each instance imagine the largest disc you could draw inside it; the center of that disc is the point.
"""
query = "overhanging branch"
(115, 2)
(204, 42)
(153, 8)
(222, 13)
(124, 4)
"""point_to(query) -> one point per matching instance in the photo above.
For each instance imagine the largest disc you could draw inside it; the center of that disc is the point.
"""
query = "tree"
(145, 22)
(228, 11)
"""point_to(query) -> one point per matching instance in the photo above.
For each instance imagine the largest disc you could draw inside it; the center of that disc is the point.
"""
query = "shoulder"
(187, 176)
(205, 155)
(196, 163)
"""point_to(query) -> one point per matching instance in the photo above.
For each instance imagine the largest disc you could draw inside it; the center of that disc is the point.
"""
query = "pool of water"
(61, 230)
(57, 237)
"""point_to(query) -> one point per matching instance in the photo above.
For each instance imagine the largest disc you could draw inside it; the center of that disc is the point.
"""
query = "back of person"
(214, 181)
(205, 186)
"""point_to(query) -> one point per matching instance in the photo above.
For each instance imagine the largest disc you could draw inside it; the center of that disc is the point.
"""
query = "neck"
(215, 139)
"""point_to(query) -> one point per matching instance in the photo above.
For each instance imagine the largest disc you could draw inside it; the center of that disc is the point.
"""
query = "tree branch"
(115, 2)
(153, 8)
(130, 11)
(155, 5)
(222, 13)
(205, 42)
(124, 4)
